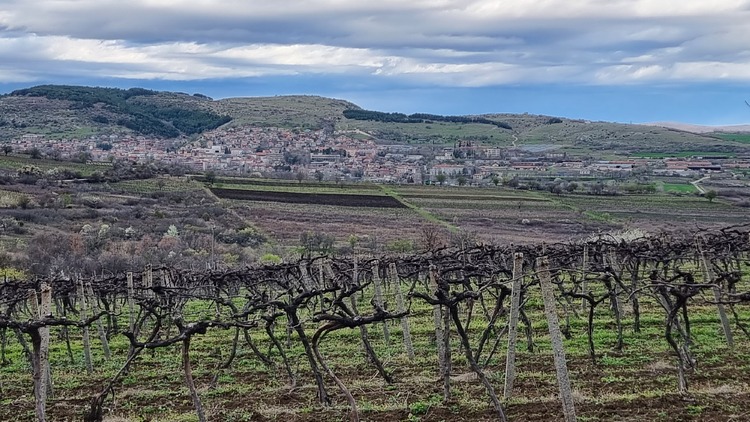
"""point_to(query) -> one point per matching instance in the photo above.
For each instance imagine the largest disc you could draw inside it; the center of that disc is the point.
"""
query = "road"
(699, 187)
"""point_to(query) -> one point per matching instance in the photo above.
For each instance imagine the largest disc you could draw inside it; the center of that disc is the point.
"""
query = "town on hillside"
(356, 156)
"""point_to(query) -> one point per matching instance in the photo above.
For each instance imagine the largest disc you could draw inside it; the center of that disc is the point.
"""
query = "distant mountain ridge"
(58, 111)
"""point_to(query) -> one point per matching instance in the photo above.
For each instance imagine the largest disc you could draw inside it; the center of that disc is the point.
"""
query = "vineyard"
(487, 332)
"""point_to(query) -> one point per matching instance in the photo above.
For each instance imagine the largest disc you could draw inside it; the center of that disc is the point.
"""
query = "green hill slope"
(70, 111)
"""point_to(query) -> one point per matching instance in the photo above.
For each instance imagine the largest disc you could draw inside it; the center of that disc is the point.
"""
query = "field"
(108, 228)
(492, 214)
(636, 381)
(736, 137)
(343, 200)
(14, 162)
(636, 384)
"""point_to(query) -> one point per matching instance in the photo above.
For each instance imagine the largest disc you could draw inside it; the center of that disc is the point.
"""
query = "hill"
(76, 112)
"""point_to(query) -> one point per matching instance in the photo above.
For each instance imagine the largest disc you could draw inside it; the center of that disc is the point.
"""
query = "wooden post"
(442, 337)
(584, 270)
(401, 309)
(307, 282)
(149, 275)
(379, 299)
(99, 325)
(708, 278)
(86, 338)
(131, 305)
(561, 367)
(40, 341)
(515, 299)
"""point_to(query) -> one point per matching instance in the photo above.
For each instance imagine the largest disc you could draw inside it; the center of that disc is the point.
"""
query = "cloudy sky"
(618, 60)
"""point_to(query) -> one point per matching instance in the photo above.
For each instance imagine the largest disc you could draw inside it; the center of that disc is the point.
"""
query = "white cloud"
(444, 42)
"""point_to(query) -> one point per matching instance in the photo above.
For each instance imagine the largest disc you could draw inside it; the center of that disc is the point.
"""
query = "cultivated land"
(634, 381)
(67, 219)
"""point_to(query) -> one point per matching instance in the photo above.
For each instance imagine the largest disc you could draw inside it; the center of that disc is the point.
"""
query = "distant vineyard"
(378, 116)
(347, 200)
(483, 297)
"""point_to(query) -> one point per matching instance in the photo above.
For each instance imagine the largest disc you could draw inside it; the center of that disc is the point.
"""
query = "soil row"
(367, 201)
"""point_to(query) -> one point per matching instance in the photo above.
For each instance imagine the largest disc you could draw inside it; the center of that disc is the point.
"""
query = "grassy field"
(15, 162)
(679, 187)
(735, 137)
(684, 154)
(491, 214)
(635, 384)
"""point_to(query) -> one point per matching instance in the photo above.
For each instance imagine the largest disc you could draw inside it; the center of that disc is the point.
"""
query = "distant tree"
(23, 201)
(441, 177)
(461, 179)
(597, 188)
(7, 149)
(82, 157)
(319, 175)
(300, 176)
(555, 188)
(401, 246)
(316, 242)
(431, 238)
(210, 177)
(495, 180)
(513, 182)
(35, 153)
(711, 195)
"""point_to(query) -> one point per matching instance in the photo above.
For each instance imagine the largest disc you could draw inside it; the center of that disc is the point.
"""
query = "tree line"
(378, 116)
(141, 117)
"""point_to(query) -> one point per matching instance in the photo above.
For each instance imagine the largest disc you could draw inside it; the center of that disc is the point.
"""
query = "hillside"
(75, 112)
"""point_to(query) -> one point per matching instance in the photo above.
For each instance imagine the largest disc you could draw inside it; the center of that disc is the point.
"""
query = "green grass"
(679, 187)
(736, 137)
(14, 162)
(154, 388)
(684, 154)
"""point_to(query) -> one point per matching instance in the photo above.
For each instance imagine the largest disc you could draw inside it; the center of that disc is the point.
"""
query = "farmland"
(204, 234)
(494, 214)
(347, 200)
(620, 367)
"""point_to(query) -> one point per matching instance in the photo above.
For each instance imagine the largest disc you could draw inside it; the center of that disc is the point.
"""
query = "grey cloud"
(393, 38)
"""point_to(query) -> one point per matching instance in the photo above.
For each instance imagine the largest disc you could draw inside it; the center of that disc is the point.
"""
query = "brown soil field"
(343, 200)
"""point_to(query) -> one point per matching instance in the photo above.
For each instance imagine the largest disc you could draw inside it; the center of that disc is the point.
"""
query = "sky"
(612, 60)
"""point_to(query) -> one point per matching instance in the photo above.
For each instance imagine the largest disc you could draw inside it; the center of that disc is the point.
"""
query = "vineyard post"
(442, 336)
(353, 301)
(634, 280)
(321, 283)
(40, 342)
(379, 299)
(85, 328)
(131, 305)
(561, 367)
(149, 282)
(401, 310)
(99, 325)
(709, 279)
(584, 269)
(510, 361)
(614, 301)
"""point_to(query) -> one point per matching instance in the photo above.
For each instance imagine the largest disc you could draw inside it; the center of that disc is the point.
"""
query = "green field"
(684, 154)
(679, 187)
(735, 137)
(15, 162)
(637, 382)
